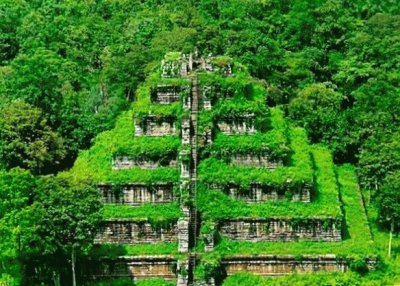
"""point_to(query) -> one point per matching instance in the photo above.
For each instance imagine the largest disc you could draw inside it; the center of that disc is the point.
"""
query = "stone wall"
(272, 265)
(186, 131)
(152, 127)
(262, 161)
(136, 194)
(215, 92)
(259, 193)
(137, 267)
(133, 232)
(280, 230)
(125, 162)
(183, 234)
(166, 94)
(277, 265)
(177, 67)
(241, 125)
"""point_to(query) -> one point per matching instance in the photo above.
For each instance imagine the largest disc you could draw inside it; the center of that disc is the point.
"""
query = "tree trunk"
(73, 260)
(56, 278)
(390, 238)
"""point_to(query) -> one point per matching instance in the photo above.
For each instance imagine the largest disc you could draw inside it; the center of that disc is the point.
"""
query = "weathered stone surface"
(186, 131)
(175, 66)
(209, 282)
(302, 195)
(137, 267)
(209, 238)
(166, 94)
(243, 124)
(206, 137)
(184, 158)
(207, 104)
(213, 92)
(183, 234)
(187, 103)
(280, 229)
(262, 161)
(125, 162)
(133, 232)
(137, 194)
(271, 265)
(259, 193)
(183, 270)
(152, 126)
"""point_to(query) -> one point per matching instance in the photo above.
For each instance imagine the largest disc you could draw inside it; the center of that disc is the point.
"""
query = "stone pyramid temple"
(200, 179)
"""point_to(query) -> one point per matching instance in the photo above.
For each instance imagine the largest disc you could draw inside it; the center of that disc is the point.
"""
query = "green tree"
(389, 205)
(317, 108)
(70, 218)
(12, 13)
(26, 140)
(379, 156)
(16, 194)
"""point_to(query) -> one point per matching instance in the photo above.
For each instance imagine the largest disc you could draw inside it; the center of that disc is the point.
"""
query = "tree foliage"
(26, 139)
(389, 201)
(68, 69)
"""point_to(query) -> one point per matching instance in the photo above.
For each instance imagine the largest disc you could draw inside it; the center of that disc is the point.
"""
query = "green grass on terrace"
(357, 242)
(115, 250)
(216, 205)
(241, 84)
(95, 164)
(246, 95)
(129, 282)
(273, 143)
(159, 213)
(149, 148)
(300, 171)
(143, 104)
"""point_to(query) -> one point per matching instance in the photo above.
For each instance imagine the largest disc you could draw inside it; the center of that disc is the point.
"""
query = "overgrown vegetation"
(70, 70)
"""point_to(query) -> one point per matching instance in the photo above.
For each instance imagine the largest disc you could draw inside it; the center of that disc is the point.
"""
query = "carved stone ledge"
(262, 161)
(167, 94)
(137, 267)
(137, 194)
(272, 265)
(277, 229)
(183, 234)
(277, 265)
(125, 231)
(125, 162)
(155, 127)
(243, 124)
(258, 193)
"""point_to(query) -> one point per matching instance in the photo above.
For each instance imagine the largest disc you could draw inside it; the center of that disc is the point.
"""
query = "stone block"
(123, 231)
(137, 194)
(277, 229)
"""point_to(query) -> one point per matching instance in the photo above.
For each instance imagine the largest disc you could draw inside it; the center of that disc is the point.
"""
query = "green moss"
(162, 214)
(115, 250)
(356, 220)
(173, 56)
(129, 282)
(216, 171)
(155, 282)
(274, 143)
(150, 148)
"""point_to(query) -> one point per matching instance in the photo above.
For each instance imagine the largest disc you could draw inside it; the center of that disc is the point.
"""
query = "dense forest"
(69, 68)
